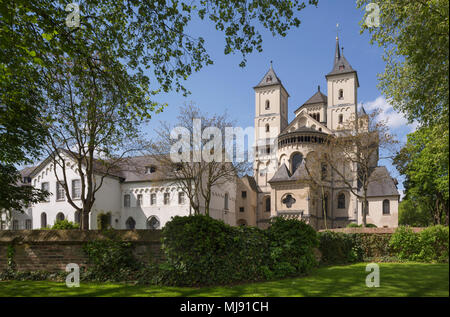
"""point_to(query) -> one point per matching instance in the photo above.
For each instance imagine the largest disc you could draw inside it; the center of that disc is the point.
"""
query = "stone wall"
(52, 250)
(369, 230)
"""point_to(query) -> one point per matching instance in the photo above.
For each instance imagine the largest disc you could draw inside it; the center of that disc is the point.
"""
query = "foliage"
(204, 251)
(10, 252)
(292, 244)
(415, 35)
(104, 221)
(413, 213)
(424, 160)
(64, 225)
(354, 225)
(430, 245)
(338, 247)
(110, 259)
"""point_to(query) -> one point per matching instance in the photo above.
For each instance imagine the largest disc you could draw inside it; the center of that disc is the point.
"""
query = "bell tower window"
(267, 104)
(341, 94)
(267, 127)
(341, 118)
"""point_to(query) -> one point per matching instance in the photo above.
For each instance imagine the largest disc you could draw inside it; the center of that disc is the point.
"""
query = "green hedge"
(429, 245)
(338, 247)
(204, 251)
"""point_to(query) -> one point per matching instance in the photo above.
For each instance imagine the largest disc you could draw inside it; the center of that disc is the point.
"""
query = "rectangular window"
(15, 225)
(28, 225)
(126, 200)
(60, 194)
(139, 200)
(46, 187)
(241, 209)
(166, 198)
(76, 189)
(153, 199)
(181, 198)
(244, 194)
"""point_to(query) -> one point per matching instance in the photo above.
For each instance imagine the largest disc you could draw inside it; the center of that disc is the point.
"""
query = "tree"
(424, 163)
(353, 153)
(413, 213)
(112, 48)
(415, 36)
(317, 178)
(200, 167)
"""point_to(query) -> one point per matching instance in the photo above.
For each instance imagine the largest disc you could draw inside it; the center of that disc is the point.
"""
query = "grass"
(396, 279)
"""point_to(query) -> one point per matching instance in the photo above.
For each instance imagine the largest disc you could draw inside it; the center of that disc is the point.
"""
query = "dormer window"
(150, 169)
(268, 79)
(341, 67)
(341, 94)
(267, 104)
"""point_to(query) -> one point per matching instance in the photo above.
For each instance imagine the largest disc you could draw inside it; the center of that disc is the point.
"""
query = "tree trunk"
(85, 220)
(364, 212)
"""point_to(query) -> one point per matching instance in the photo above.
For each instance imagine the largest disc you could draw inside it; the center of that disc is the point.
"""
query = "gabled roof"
(281, 175)
(300, 172)
(306, 129)
(340, 64)
(269, 79)
(381, 183)
(318, 97)
(252, 183)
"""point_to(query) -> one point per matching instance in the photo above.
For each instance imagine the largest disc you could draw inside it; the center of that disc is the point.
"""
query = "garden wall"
(52, 250)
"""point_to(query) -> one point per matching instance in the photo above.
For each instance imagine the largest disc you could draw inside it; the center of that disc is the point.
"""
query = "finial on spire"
(318, 88)
(270, 64)
(337, 31)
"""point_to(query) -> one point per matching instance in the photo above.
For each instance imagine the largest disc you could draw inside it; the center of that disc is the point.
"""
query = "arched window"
(77, 217)
(267, 104)
(386, 207)
(43, 220)
(318, 117)
(130, 223)
(341, 201)
(267, 204)
(60, 216)
(225, 203)
(241, 222)
(267, 127)
(296, 161)
(153, 223)
(341, 118)
(341, 94)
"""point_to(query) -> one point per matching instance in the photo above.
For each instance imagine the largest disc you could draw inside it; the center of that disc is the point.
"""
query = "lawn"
(396, 279)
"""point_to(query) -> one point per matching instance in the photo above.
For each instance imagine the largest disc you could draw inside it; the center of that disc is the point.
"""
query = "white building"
(138, 196)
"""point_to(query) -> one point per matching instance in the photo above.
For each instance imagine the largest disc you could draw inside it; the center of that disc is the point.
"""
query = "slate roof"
(381, 183)
(283, 174)
(269, 79)
(340, 65)
(318, 97)
(252, 183)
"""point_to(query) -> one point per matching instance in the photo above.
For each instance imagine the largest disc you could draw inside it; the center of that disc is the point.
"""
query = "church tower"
(342, 84)
(271, 117)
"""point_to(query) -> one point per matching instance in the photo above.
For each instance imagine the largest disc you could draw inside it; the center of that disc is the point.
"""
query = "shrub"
(405, 243)
(338, 247)
(354, 225)
(110, 259)
(434, 244)
(204, 251)
(64, 225)
(292, 244)
(430, 245)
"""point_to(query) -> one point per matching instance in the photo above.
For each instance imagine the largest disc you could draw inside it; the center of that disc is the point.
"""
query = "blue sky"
(301, 60)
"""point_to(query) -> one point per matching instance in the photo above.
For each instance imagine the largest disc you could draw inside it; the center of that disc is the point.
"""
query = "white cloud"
(394, 119)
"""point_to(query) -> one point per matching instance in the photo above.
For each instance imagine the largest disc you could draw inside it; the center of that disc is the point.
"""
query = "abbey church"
(142, 195)
(280, 186)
